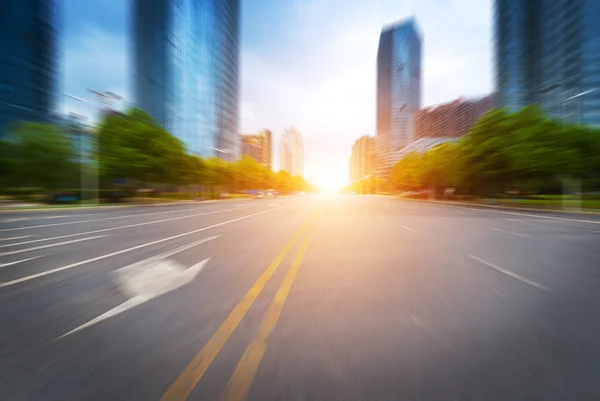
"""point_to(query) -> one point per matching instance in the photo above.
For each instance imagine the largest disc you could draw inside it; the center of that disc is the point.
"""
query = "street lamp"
(87, 181)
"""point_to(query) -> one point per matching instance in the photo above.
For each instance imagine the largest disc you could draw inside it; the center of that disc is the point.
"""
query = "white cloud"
(323, 80)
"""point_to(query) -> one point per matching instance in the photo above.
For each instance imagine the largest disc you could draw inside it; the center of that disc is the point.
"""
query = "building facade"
(28, 62)
(398, 88)
(258, 146)
(186, 65)
(291, 152)
(451, 120)
(362, 161)
(548, 52)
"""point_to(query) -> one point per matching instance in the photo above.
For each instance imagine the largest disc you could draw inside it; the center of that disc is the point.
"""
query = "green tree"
(37, 155)
(133, 146)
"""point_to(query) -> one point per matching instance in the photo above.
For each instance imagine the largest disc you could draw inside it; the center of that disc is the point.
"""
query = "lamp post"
(575, 184)
(86, 179)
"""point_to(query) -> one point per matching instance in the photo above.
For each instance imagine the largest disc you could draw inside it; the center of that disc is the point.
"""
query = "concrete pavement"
(324, 297)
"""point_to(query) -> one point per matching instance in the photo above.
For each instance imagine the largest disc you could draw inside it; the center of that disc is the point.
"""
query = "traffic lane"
(102, 241)
(549, 253)
(18, 225)
(380, 313)
(136, 355)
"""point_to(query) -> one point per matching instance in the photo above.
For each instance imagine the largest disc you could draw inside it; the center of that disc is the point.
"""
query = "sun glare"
(331, 182)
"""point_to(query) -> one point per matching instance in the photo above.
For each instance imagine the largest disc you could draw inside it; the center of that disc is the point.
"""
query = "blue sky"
(304, 63)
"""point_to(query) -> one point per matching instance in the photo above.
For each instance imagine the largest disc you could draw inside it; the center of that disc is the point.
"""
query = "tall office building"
(258, 146)
(398, 88)
(548, 52)
(28, 61)
(291, 152)
(186, 61)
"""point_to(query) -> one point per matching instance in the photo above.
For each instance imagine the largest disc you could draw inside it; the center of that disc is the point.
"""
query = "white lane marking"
(83, 262)
(510, 232)
(104, 219)
(518, 221)
(409, 229)
(35, 248)
(509, 273)
(102, 230)
(593, 231)
(19, 261)
(149, 279)
(14, 238)
(415, 320)
(530, 215)
(15, 219)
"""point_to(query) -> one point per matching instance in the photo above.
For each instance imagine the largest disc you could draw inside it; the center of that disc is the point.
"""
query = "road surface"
(321, 297)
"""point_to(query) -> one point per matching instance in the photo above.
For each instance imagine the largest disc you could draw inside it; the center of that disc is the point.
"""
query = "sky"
(310, 64)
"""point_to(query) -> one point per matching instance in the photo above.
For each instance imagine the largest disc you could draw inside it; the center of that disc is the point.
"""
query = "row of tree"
(126, 148)
(524, 151)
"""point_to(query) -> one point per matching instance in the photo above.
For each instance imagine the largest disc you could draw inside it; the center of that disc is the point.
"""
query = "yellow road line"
(243, 376)
(189, 378)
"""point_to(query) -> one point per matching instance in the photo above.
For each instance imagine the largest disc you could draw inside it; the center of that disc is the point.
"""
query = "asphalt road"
(322, 297)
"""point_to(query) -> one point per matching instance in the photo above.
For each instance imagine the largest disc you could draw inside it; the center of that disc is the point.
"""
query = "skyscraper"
(548, 52)
(291, 152)
(398, 88)
(28, 61)
(186, 60)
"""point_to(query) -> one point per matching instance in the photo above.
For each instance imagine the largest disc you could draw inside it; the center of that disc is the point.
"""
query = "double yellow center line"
(242, 378)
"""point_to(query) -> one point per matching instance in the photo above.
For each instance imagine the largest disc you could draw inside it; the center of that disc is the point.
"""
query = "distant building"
(258, 146)
(398, 88)
(28, 62)
(186, 65)
(291, 152)
(362, 161)
(451, 120)
(422, 145)
(548, 52)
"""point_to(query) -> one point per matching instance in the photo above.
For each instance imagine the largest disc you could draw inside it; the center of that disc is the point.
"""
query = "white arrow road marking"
(19, 261)
(35, 248)
(146, 283)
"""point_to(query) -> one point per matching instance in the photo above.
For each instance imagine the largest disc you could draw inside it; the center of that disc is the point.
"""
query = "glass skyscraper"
(28, 61)
(398, 88)
(186, 60)
(548, 52)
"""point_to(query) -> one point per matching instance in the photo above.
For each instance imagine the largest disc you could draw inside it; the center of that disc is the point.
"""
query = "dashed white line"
(35, 248)
(14, 238)
(509, 273)
(105, 218)
(519, 221)
(102, 230)
(108, 255)
(510, 232)
(19, 261)
(409, 229)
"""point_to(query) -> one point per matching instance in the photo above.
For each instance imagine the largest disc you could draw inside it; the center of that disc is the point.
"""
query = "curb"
(501, 207)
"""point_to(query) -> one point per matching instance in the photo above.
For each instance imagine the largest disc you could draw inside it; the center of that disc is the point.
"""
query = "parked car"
(260, 195)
